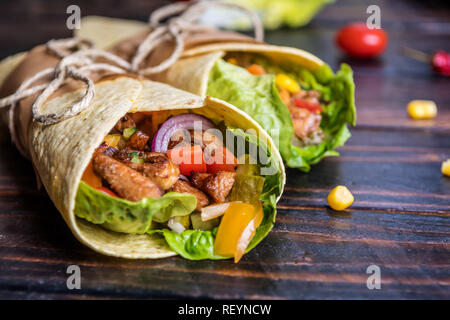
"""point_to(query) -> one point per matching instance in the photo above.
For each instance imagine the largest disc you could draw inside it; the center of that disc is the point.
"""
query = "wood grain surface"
(400, 220)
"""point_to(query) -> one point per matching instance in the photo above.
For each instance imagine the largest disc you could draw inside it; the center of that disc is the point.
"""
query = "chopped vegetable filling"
(136, 162)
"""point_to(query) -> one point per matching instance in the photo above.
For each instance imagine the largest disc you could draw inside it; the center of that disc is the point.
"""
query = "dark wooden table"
(400, 220)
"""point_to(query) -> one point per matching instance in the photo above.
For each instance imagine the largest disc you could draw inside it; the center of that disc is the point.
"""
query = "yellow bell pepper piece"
(248, 233)
(239, 217)
(422, 109)
(445, 168)
(112, 140)
(340, 198)
(284, 81)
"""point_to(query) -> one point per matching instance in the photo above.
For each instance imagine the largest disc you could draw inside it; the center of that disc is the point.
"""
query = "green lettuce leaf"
(130, 217)
(191, 244)
(259, 98)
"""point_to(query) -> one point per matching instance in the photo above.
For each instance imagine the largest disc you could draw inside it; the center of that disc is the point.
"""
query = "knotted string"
(77, 66)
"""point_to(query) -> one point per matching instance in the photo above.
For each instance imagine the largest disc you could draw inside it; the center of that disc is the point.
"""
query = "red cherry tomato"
(358, 41)
(441, 62)
(107, 192)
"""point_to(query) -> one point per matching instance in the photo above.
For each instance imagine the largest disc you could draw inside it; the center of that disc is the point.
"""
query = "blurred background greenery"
(275, 14)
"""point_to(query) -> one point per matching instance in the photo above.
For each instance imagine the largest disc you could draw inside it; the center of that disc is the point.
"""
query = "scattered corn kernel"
(340, 198)
(287, 82)
(422, 109)
(445, 168)
(112, 140)
(232, 61)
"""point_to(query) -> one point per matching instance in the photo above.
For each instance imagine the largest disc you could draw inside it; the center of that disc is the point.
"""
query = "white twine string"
(186, 21)
(75, 66)
(79, 64)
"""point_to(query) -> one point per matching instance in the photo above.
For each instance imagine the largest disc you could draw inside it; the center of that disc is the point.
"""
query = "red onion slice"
(183, 121)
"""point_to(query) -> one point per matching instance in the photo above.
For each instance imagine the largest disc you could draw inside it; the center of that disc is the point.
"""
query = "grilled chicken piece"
(138, 141)
(202, 138)
(218, 185)
(185, 187)
(125, 122)
(311, 96)
(127, 153)
(198, 179)
(159, 168)
(304, 121)
(128, 183)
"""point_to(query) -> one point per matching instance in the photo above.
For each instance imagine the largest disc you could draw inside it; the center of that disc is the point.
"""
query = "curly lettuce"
(259, 98)
(125, 216)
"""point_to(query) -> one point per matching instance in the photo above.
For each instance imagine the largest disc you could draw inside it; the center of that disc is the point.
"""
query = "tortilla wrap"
(60, 152)
(203, 51)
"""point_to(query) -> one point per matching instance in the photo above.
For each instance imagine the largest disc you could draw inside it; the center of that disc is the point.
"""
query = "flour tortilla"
(192, 71)
(60, 152)
(108, 31)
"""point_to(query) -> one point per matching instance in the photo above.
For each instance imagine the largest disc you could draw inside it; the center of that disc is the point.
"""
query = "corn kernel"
(287, 82)
(340, 198)
(232, 61)
(422, 109)
(445, 168)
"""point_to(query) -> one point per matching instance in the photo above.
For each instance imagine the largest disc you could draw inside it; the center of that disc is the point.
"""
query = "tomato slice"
(222, 160)
(311, 106)
(90, 177)
(188, 159)
(237, 228)
(107, 192)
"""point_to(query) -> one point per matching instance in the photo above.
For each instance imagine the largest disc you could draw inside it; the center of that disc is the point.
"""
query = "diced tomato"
(237, 228)
(222, 160)
(188, 159)
(90, 177)
(256, 70)
(311, 106)
(107, 192)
